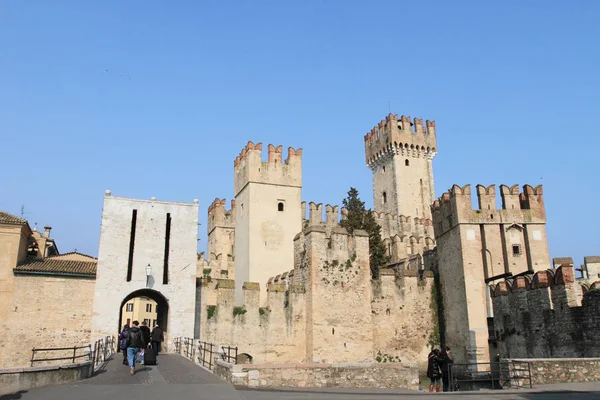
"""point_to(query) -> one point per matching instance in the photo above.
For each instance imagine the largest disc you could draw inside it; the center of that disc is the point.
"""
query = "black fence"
(499, 375)
(64, 354)
(204, 353)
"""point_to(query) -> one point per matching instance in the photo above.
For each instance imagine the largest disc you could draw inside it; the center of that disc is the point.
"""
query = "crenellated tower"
(400, 153)
(478, 246)
(267, 213)
(221, 237)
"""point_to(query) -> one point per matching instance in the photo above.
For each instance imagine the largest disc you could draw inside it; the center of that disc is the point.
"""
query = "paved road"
(176, 378)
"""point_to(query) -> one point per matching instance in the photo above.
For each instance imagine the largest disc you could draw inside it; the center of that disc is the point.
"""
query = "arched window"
(406, 162)
(280, 207)
(384, 197)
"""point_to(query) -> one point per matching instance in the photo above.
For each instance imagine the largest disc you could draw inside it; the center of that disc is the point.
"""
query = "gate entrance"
(145, 304)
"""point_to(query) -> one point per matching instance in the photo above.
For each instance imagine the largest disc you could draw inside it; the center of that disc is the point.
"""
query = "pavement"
(176, 378)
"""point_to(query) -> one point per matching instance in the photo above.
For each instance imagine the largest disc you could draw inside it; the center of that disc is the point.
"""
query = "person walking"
(445, 361)
(135, 342)
(146, 336)
(123, 342)
(433, 370)
(157, 337)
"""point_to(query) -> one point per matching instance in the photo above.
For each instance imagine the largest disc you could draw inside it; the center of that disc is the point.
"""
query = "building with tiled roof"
(70, 264)
(9, 219)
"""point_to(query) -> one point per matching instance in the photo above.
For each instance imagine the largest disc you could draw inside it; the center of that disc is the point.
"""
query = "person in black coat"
(445, 361)
(157, 338)
(433, 370)
(146, 336)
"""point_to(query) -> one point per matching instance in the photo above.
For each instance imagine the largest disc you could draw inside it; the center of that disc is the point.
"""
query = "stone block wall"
(327, 309)
(360, 375)
(557, 370)
(46, 312)
(539, 316)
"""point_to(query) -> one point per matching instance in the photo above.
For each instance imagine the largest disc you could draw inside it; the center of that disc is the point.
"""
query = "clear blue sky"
(152, 98)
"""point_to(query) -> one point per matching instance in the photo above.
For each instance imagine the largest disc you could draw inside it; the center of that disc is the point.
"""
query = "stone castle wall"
(327, 309)
(46, 312)
(540, 316)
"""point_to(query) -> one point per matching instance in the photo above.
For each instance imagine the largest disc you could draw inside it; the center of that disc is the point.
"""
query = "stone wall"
(327, 309)
(177, 294)
(540, 316)
(404, 316)
(556, 370)
(360, 375)
(45, 312)
(17, 379)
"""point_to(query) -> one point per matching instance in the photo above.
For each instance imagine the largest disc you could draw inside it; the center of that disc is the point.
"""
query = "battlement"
(219, 216)
(590, 269)
(315, 214)
(400, 136)
(249, 167)
(558, 277)
(454, 206)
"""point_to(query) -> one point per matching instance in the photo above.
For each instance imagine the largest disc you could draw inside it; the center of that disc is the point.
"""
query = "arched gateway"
(147, 249)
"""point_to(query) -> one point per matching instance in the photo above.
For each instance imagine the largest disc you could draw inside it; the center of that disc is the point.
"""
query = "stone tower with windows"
(267, 214)
(400, 153)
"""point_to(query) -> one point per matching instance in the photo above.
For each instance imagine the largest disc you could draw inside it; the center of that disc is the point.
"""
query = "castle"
(285, 283)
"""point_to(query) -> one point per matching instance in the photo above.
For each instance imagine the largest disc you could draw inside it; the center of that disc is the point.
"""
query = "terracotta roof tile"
(56, 266)
(6, 218)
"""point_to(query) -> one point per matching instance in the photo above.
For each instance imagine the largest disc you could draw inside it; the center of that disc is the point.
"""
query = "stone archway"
(162, 304)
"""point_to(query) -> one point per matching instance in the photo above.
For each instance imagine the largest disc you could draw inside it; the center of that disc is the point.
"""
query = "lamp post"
(148, 273)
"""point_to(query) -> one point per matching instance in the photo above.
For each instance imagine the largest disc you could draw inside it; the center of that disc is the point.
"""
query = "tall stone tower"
(267, 214)
(400, 154)
(475, 246)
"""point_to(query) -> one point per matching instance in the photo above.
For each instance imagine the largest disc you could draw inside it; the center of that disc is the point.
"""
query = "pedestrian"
(146, 335)
(135, 342)
(445, 361)
(433, 370)
(157, 337)
(123, 342)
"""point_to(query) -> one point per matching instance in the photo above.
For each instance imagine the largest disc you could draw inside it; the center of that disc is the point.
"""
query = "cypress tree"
(359, 217)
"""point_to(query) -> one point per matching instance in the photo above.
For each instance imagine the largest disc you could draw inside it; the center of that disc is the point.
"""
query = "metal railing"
(189, 349)
(498, 375)
(87, 355)
(204, 353)
(177, 343)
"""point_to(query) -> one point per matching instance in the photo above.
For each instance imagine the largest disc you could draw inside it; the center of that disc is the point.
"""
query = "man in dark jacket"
(445, 361)
(157, 337)
(135, 342)
(146, 335)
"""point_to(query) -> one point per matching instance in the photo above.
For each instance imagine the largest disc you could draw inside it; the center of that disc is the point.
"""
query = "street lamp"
(148, 273)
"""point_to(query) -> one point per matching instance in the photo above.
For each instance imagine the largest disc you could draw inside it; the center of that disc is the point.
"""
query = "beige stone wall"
(263, 234)
(112, 286)
(45, 312)
(13, 248)
(339, 274)
(404, 316)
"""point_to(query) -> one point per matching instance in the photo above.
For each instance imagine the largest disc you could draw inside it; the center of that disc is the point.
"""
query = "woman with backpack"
(123, 342)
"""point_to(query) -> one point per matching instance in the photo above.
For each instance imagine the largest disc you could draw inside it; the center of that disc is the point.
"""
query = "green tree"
(359, 217)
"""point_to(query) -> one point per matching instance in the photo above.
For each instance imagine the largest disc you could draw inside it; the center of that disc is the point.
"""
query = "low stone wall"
(15, 379)
(556, 370)
(362, 375)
